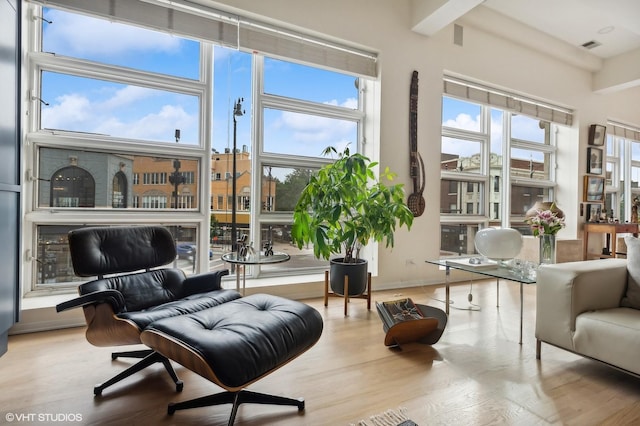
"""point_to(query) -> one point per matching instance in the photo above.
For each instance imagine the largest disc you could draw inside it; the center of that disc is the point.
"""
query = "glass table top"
(494, 270)
(258, 258)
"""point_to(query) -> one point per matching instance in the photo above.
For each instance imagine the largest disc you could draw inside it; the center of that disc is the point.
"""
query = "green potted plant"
(342, 208)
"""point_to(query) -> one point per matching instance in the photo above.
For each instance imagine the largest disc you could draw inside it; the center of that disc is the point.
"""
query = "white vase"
(498, 243)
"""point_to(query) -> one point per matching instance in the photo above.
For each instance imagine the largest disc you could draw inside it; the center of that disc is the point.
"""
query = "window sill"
(43, 300)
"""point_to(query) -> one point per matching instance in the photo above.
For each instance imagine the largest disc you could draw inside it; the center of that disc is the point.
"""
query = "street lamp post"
(270, 204)
(237, 112)
(176, 178)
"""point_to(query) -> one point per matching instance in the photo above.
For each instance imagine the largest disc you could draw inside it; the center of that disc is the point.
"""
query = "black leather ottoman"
(237, 343)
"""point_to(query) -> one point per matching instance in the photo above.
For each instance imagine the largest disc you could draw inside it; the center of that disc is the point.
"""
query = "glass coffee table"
(257, 258)
(490, 270)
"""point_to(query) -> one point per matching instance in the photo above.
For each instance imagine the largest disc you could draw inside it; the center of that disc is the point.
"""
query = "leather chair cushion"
(98, 251)
(142, 290)
(241, 340)
(187, 305)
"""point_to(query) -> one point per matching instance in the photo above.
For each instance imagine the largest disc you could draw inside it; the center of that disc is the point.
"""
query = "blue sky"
(124, 110)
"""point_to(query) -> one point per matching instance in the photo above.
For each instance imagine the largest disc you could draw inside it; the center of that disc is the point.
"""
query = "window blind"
(222, 30)
(282, 43)
(623, 130)
(192, 20)
(507, 101)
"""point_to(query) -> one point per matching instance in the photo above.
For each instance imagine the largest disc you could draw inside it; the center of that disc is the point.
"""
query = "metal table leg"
(447, 290)
(521, 309)
(244, 278)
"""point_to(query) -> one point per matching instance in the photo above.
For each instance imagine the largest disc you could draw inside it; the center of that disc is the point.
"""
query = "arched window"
(119, 196)
(72, 187)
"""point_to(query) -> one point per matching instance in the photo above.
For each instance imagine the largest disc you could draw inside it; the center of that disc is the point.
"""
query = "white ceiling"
(558, 28)
(615, 24)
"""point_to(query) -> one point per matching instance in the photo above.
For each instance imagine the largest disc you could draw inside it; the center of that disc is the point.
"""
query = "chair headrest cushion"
(97, 251)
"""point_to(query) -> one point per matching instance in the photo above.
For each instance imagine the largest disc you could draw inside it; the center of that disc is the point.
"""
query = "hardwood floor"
(477, 374)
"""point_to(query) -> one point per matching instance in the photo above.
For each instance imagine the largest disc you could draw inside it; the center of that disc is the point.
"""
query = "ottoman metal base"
(235, 398)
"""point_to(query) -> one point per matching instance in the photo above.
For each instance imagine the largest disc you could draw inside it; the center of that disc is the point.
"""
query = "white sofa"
(579, 309)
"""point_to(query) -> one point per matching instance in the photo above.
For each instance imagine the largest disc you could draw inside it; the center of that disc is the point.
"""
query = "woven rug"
(388, 418)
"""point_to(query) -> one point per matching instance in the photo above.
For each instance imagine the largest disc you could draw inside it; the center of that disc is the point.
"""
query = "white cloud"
(350, 103)
(464, 122)
(77, 112)
(161, 125)
(312, 129)
(127, 96)
(455, 146)
(523, 127)
(101, 37)
(68, 112)
(305, 134)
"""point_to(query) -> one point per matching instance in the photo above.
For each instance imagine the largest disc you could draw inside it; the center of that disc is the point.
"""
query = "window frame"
(35, 138)
(488, 205)
(202, 88)
(619, 153)
(262, 158)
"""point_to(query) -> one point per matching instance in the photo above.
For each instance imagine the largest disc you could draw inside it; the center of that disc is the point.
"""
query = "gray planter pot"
(357, 273)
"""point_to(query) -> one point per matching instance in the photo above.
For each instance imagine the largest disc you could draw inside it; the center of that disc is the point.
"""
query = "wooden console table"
(611, 229)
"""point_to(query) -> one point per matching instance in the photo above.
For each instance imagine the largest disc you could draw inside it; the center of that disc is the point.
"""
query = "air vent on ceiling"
(591, 44)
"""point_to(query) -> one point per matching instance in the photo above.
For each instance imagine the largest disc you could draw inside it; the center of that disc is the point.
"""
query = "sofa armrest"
(565, 290)
(202, 283)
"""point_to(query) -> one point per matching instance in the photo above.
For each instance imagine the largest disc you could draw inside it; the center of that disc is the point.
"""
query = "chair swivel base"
(149, 357)
(235, 398)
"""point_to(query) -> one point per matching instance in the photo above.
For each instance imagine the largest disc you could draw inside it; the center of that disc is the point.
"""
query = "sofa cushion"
(632, 297)
(609, 335)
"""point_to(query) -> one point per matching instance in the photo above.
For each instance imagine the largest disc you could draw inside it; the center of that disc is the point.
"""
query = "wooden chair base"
(327, 292)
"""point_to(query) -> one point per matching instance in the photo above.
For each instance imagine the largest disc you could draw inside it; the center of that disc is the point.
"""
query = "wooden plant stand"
(365, 295)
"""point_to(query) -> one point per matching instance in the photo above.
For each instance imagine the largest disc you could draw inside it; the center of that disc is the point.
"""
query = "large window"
(114, 109)
(130, 124)
(496, 163)
(622, 172)
(297, 120)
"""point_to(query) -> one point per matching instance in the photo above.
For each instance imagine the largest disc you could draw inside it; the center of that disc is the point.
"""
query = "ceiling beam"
(430, 16)
(618, 73)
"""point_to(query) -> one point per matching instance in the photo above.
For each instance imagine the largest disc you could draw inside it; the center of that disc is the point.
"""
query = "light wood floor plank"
(477, 374)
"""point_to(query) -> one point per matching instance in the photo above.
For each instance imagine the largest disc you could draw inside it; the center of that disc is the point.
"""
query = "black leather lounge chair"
(129, 294)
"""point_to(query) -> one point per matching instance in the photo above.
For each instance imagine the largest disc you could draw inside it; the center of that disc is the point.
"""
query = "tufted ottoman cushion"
(237, 342)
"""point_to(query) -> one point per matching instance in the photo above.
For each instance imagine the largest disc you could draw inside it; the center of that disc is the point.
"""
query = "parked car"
(188, 251)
